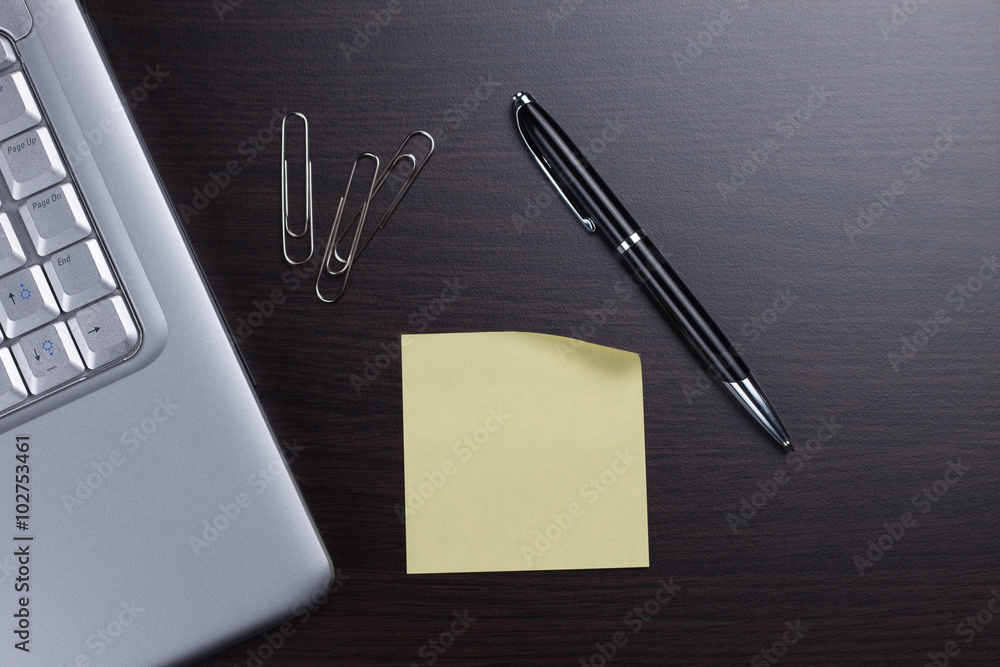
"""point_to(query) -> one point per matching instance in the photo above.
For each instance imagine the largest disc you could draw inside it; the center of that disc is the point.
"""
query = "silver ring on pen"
(631, 241)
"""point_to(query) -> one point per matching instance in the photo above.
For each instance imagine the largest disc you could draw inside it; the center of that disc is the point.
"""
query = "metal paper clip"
(344, 264)
(286, 229)
(415, 168)
(331, 244)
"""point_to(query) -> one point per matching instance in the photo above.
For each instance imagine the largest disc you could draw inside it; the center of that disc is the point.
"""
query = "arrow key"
(104, 332)
(47, 358)
(26, 301)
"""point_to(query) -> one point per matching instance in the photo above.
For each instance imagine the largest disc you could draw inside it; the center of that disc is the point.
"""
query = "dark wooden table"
(824, 175)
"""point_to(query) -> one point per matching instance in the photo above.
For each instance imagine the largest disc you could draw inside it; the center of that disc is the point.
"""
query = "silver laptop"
(147, 514)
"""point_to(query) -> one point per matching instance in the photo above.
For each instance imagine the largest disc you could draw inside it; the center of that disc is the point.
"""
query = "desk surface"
(824, 175)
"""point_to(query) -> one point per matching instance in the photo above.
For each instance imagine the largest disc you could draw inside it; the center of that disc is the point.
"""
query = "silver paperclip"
(286, 229)
(358, 223)
(331, 244)
(415, 168)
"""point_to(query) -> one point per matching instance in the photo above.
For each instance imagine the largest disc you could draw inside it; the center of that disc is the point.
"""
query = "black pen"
(598, 208)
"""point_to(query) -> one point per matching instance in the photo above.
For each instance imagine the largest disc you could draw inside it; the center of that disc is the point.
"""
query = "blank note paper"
(522, 452)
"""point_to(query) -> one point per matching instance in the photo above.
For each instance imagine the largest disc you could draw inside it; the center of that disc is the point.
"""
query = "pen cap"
(571, 172)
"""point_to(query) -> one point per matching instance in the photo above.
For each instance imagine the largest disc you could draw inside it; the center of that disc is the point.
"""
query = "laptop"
(147, 513)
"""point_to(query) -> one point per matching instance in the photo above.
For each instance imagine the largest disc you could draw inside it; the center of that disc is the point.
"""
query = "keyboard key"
(30, 162)
(46, 349)
(27, 302)
(48, 358)
(11, 253)
(18, 110)
(12, 390)
(54, 219)
(79, 274)
(104, 332)
(7, 55)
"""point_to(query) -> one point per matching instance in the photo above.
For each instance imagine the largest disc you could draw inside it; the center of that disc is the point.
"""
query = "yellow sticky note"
(522, 452)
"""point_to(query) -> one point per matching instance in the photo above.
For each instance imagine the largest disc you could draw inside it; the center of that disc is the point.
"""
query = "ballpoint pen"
(598, 208)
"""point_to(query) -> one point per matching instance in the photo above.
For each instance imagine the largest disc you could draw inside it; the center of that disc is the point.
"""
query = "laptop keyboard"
(63, 315)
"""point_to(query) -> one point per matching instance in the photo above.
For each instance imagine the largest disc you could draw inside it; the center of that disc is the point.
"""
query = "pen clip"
(586, 221)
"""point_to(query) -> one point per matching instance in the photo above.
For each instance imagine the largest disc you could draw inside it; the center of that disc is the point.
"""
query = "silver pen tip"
(788, 446)
(521, 98)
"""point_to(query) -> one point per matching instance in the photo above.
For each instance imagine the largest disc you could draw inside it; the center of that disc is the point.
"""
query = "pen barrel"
(651, 270)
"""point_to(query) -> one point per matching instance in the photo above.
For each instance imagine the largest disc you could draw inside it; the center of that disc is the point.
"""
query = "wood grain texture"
(806, 113)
